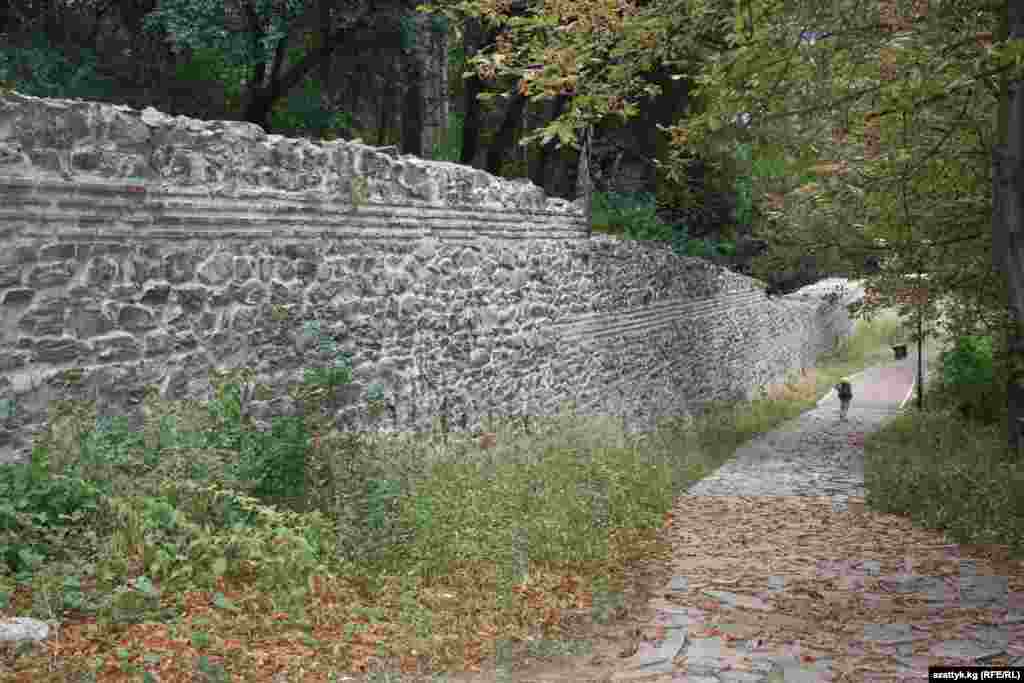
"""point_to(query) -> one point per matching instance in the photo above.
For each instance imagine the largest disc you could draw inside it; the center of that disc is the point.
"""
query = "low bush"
(634, 216)
(968, 379)
(948, 472)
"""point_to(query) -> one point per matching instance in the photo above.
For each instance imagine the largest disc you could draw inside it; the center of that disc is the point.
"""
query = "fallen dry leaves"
(826, 590)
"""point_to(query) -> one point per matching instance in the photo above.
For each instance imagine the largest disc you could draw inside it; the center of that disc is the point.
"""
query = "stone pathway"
(770, 579)
(815, 454)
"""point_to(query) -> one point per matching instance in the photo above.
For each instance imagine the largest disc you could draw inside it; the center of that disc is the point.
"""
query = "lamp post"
(919, 298)
(922, 295)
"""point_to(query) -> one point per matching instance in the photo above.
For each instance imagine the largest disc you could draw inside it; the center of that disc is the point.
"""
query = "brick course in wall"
(143, 250)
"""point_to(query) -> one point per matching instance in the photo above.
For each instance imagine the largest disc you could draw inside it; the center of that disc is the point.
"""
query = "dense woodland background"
(383, 73)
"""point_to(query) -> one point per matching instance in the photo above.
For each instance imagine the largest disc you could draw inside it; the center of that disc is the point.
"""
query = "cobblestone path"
(779, 573)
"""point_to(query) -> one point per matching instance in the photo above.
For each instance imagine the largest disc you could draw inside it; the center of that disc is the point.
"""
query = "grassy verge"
(950, 471)
(201, 550)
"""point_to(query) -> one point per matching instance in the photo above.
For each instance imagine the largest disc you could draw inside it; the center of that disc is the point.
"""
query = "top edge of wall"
(85, 140)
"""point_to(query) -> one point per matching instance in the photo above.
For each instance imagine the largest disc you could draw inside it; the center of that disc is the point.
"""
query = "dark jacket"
(844, 390)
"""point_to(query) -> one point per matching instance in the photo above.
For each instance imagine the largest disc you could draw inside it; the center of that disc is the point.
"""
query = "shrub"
(968, 378)
(634, 216)
(275, 462)
(39, 511)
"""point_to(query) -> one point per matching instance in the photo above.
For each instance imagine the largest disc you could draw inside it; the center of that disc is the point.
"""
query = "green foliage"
(228, 416)
(707, 249)
(969, 362)
(337, 374)
(200, 24)
(456, 67)
(275, 461)
(806, 119)
(228, 57)
(969, 379)
(560, 505)
(382, 493)
(766, 168)
(451, 149)
(185, 538)
(210, 67)
(38, 509)
(633, 215)
(950, 473)
(744, 190)
(194, 23)
(439, 23)
(303, 109)
(6, 409)
(407, 31)
(45, 71)
(110, 447)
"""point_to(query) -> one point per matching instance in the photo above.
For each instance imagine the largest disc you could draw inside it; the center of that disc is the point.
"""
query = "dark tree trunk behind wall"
(472, 40)
(412, 119)
(561, 174)
(1008, 223)
(506, 133)
(539, 171)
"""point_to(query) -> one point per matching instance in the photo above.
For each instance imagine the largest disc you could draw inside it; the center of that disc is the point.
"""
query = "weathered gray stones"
(17, 629)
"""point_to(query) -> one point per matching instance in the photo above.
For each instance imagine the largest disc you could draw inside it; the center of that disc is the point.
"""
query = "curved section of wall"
(143, 250)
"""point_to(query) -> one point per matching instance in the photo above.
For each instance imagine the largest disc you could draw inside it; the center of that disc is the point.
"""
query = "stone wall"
(141, 249)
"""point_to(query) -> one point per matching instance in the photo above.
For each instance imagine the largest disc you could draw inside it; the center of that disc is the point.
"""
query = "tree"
(1008, 217)
(595, 52)
(482, 30)
(920, 195)
(877, 173)
(255, 34)
(473, 39)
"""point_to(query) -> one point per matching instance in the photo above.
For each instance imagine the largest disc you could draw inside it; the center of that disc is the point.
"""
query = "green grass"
(200, 548)
(948, 472)
(870, 344)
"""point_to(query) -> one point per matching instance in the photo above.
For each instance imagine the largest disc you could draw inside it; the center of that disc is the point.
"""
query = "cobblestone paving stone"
(817, 455)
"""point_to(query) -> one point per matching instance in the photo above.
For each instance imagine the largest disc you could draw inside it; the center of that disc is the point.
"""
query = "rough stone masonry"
(142, 250)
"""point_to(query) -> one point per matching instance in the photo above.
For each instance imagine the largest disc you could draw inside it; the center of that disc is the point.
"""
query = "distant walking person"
(845, 393)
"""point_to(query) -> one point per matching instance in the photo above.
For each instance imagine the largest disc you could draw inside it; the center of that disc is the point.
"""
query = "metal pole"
(920, 337)
(920, 345)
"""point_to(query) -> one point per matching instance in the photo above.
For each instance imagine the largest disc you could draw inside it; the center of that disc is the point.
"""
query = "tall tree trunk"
(1008, 222)
(584, 184)
(259, 102)
(506, 133)
(559, 183)
(539, 168)
(261, 93)
(325, 66)
(412, 117)
(472, 121)
(472, 39)
(429, 55)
